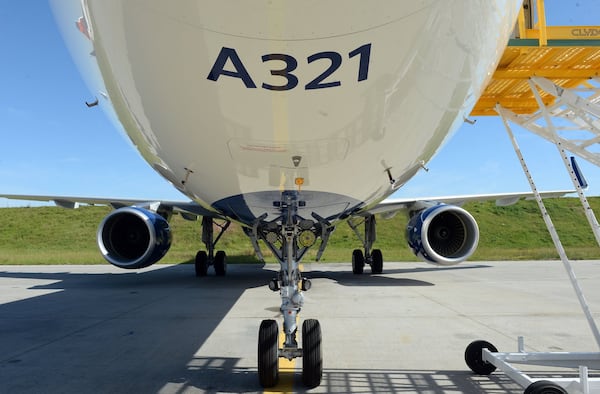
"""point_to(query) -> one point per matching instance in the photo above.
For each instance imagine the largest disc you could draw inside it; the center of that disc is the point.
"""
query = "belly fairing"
(232, 99)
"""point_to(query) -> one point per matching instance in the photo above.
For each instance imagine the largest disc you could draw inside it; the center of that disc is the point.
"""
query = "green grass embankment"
(51, 235)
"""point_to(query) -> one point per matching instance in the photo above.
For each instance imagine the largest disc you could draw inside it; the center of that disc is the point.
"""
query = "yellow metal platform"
(569, 56)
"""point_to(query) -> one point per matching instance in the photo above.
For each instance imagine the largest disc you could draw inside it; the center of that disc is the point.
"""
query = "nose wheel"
(268, 365)
(312, 357)
(269, 353)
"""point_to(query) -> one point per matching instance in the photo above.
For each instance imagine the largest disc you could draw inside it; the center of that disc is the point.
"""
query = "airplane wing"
(188, 209)
(392, 205)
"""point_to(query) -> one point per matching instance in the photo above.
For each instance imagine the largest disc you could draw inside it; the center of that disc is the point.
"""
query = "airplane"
(287, 118)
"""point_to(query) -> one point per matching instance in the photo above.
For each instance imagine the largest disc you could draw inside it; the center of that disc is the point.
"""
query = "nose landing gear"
(289, 249)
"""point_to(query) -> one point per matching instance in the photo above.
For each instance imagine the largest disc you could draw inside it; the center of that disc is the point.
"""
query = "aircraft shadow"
(214, 375)
(131, 332)
(347, 278)
(415, 381)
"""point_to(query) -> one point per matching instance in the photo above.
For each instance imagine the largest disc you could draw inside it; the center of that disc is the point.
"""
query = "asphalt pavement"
(99, 329)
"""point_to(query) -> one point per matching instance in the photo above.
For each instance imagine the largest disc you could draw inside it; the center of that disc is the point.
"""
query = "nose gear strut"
(283, 242)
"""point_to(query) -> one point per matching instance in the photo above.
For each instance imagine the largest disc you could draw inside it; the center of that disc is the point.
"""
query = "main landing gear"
(371, 256)
(204, 259)
(289, 237)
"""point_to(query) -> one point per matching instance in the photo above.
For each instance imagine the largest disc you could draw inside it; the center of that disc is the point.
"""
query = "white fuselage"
(237, 101)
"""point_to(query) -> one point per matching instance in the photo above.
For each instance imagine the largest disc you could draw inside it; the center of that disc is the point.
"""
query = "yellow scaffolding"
(569, 56)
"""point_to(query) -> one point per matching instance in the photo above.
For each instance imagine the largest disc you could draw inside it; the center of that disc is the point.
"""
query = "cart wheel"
(544, 387)
(474, 359)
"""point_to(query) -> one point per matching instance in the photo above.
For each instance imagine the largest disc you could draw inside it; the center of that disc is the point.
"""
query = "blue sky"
(51, 143)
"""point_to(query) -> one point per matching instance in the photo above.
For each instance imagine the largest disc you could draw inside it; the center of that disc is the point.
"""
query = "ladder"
(571, 123)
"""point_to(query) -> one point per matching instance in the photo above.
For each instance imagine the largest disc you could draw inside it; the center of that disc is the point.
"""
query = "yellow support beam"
(542, 23)
(521, 24)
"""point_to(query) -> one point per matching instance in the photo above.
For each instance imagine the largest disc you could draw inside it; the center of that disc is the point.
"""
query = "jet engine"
(133, 237)
(443, 234)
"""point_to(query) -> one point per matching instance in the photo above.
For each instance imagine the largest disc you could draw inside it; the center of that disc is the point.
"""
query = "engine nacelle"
(443, 234)
(133, 237)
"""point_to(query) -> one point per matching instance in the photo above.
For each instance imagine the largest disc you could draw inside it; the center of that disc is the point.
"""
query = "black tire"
(220, 263)
(358, 262)
(544, 387)
(201, 263)
(376, 262)
(312, 357)
(474, 358)
(268, 362)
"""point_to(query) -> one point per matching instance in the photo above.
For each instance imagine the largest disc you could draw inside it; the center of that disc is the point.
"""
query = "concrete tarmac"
(98, 329)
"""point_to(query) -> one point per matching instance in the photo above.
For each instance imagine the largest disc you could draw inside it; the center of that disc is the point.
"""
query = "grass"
(51, 235)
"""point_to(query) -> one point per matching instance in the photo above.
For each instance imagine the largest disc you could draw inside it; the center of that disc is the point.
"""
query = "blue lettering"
(290, 65)
(336, 62)
(236, 68)
(365, 58)
(240, 72)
